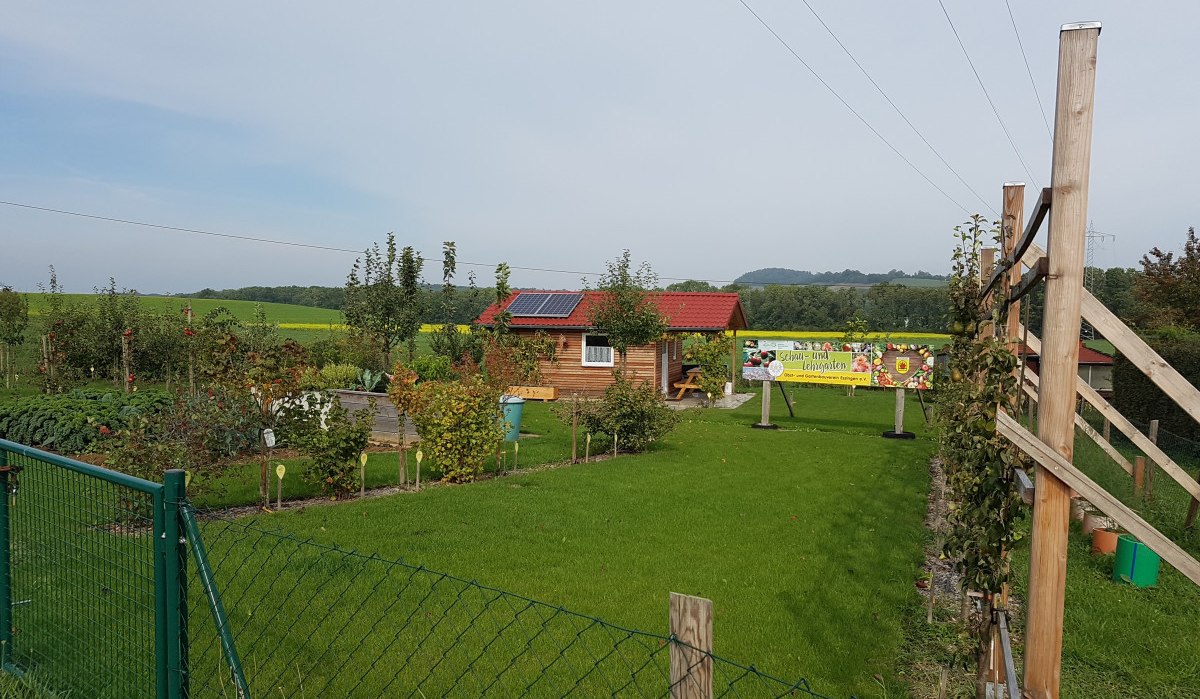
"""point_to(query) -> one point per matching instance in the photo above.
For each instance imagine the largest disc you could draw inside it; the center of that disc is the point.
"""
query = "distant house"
(1094, 367)
(586, 359)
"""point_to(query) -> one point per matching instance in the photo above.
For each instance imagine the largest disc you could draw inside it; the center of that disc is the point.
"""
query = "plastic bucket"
(512, 406)
(1135, 563)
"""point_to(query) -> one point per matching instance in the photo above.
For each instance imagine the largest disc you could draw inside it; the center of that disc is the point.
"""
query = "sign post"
(898, 432)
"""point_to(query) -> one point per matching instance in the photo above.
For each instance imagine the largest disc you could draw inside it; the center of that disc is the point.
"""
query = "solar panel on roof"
(527, 304)
(559, 305)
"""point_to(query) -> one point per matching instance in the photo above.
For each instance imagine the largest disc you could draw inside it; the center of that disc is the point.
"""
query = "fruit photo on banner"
(886, 365)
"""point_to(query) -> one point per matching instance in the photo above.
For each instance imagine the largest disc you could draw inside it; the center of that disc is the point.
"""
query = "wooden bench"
(689, 384)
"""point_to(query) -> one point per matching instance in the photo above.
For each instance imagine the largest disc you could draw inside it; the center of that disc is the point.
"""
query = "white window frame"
(583, 355)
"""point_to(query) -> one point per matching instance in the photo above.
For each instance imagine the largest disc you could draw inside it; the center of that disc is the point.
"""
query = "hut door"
(662, 363)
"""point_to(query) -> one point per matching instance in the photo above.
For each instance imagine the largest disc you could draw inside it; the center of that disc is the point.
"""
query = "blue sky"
(553, 135)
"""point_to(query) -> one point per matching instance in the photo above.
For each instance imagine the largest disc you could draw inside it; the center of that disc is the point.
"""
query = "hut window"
(597, 351)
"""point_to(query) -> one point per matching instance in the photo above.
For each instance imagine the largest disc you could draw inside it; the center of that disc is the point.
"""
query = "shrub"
(712, 354)
(75, 422)
(334, 448)
(460, 424)
(433, 368)
(636, 416)
(339, 375)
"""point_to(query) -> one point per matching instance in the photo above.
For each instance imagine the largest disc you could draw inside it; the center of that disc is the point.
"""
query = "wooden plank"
(1066, 472)
(1070, 172)
(1134, 348)
(1084, 427)
(691, 647)
(1139, 475)
(534, 392)
(1125, 427)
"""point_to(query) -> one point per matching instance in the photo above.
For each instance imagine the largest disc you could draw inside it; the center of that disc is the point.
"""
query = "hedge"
(1141, 401)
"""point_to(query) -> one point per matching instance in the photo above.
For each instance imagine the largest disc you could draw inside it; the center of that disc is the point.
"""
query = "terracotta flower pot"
(1104, 541)
(1093, 520)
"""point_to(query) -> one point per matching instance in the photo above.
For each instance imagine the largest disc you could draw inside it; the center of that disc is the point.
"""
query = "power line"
(995, 111)
(898, 111)
(291, 243)
(1028, 70)
(846, 104)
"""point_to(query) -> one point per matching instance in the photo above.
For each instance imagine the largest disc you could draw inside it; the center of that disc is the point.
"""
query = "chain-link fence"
(114, 587)
(315, 620)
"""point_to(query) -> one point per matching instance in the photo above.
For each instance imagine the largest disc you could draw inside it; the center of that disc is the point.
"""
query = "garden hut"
(1095, 368)
(585, 359)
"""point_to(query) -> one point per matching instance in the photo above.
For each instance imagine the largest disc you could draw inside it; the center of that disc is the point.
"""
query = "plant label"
(268, 436)
(280, 469)
(420, 456)
(362, 459)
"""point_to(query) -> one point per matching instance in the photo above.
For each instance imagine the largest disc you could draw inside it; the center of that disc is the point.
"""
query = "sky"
(553, 135)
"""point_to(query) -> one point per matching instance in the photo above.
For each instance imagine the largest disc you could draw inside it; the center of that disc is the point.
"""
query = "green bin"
(513, 406)
(1135, 563)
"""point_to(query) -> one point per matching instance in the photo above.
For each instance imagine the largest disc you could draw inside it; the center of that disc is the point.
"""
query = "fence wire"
(82, 580)
(314, 620)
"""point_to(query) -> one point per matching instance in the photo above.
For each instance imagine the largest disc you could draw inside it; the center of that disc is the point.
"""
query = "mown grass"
(25, 688)
(806, 538)
(1118, 640)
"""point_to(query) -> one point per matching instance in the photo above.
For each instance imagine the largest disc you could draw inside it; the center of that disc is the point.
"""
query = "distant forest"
(895, 304)
(780, 275)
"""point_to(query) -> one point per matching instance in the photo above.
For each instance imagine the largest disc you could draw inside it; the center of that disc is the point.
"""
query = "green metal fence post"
(205, 574)
(6, 635)
(169, 587)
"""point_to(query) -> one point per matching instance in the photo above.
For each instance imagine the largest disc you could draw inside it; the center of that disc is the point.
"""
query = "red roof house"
(1094, 367)
(585, 358)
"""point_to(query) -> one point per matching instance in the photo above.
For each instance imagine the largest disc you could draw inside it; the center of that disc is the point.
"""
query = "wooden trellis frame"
(1061, 268)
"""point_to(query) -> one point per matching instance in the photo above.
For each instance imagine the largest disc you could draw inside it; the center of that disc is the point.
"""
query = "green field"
(282, 313)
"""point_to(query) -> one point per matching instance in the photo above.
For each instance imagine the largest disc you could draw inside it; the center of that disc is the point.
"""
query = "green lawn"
(1121, 641)
(806, 538)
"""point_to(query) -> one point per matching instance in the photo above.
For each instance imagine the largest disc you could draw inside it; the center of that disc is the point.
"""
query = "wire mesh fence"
(104, 603)
(80, 571)
(315, 620)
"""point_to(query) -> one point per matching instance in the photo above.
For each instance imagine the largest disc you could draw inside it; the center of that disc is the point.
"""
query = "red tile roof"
(1087, 355)
(684, 310)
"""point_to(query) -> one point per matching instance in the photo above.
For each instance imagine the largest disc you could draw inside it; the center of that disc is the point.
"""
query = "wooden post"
(765, 422)
(1012, 222)
(1139, 474)
(1107, 430)
(898, 432)
(986, 267)
(1153, 435)
(691, 647)
(735, 361)
(1070, 171)
(574, 427)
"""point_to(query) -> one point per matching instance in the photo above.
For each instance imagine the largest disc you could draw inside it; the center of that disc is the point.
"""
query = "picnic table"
(690, 383)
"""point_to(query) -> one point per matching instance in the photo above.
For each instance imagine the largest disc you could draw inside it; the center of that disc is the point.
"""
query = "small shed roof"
(1087, 355)
(685, 311)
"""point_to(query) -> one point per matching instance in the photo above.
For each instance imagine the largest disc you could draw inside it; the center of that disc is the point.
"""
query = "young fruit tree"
(384, 299)
(625, 310)
(14, 319)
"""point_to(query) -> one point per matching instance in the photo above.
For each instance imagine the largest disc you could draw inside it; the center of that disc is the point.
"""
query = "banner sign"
(880, 364)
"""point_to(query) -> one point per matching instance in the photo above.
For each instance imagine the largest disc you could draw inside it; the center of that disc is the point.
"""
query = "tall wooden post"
(987, 266)
(1012, 222)
(1060, 353)
(691, 656)
(1153, 435)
